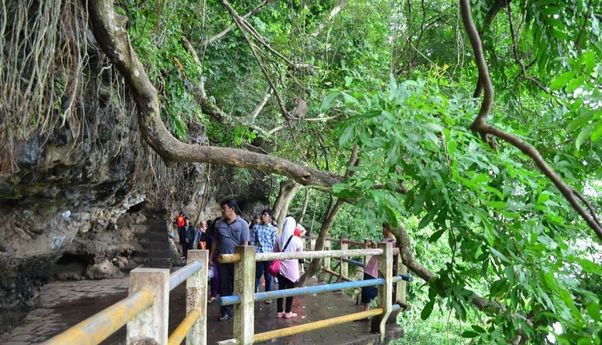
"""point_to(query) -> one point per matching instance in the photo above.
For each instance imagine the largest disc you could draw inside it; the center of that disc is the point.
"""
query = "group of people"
(190, 237)
(222, 235)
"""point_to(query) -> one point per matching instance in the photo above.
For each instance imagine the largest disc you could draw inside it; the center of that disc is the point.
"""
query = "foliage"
(396, 80)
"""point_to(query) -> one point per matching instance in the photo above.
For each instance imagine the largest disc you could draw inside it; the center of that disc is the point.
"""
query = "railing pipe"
(183, 328)
(283, 332)
(179, 276)
(353, 262)
(101, 325)
(233, 258)
(308, 290)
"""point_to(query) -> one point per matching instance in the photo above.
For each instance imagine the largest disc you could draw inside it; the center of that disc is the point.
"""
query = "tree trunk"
(329, 217)
(305, 202)
(288, 190)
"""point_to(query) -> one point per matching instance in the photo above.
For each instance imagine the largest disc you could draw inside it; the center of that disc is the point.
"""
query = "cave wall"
(76, 197)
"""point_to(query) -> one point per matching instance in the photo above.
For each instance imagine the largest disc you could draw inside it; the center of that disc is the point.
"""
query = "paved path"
(63, 304)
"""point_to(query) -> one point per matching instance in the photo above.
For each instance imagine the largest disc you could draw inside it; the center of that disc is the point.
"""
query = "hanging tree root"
(481, 126)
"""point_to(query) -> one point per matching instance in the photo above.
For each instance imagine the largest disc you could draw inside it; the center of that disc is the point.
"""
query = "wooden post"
(312, 244)
(385, 294)
(344, 264)
(327, 260)
(196, 297)
(244, 286)
(151, 324)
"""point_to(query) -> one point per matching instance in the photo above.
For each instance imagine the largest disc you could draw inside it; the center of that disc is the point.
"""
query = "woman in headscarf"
(289, 269)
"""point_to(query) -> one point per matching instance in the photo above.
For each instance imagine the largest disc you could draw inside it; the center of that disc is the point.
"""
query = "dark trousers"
(215, 281)
(284, 283)
(226, 285)
(185, 248)
(262, 269)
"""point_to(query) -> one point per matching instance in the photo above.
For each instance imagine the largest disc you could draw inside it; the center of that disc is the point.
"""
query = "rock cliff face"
(76, 204)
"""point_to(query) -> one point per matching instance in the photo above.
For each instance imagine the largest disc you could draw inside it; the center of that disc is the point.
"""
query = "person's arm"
(245, 234)
(212, 251)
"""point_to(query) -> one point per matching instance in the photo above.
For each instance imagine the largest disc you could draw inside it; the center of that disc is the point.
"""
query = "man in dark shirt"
(231, 231)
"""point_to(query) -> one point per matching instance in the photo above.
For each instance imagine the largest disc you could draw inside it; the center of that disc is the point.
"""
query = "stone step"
(157, 246)
(157, 236)
(159, 253)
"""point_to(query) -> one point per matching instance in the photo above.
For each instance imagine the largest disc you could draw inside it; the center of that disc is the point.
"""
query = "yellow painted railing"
(146, 310)
(244, 297)
(101, 325)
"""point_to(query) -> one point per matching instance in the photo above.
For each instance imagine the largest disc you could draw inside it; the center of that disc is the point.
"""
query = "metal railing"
(145, 312)
(244, 296)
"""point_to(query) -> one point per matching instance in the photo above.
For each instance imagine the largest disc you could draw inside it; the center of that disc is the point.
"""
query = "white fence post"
(244, 286)
(344, 264)
(151, 324)
(327, 259)
(196, 297)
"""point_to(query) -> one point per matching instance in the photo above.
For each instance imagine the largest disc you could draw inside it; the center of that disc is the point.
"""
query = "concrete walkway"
(63, 304)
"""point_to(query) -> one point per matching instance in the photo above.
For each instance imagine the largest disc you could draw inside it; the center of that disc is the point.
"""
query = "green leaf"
(478, 329)
(434, 237)
(428, 218)
(500, 256)
(583, 135)
(427, 310)
(328, 100)
(346, 136)
(562, 80)
(597, 132)
(469, 334)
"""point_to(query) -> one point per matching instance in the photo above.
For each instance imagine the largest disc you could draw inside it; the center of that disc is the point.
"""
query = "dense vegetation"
(382, 94)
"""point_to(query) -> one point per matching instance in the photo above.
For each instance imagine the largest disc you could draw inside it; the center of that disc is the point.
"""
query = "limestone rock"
(103, 270)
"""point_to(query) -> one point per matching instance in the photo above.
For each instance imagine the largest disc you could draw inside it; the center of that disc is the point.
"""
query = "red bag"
(274, 267)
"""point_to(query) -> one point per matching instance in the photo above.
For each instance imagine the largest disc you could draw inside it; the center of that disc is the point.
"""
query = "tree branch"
(110, 32)
(407, 257)
(231, 26)
(480, 126)
(264, 70)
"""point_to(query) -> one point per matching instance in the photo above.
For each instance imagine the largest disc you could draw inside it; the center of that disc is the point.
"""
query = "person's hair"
(233, 204)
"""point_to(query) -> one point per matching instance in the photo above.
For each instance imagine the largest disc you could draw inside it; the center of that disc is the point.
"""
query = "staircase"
(158, 244)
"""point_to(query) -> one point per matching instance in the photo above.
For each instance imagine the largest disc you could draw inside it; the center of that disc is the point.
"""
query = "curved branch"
(479, 125)
(407, 257)
(254, 11)
(109, 30)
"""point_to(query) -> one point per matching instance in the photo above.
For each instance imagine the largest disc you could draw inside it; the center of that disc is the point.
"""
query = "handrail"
(307, 290)
(179, 276)
(317, 254)
(283, 332)
(353, 262)
(183, 328)
(353, 243)
(101, 325)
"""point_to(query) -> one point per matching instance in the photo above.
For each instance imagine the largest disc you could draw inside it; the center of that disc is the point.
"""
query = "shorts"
(368, 292)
